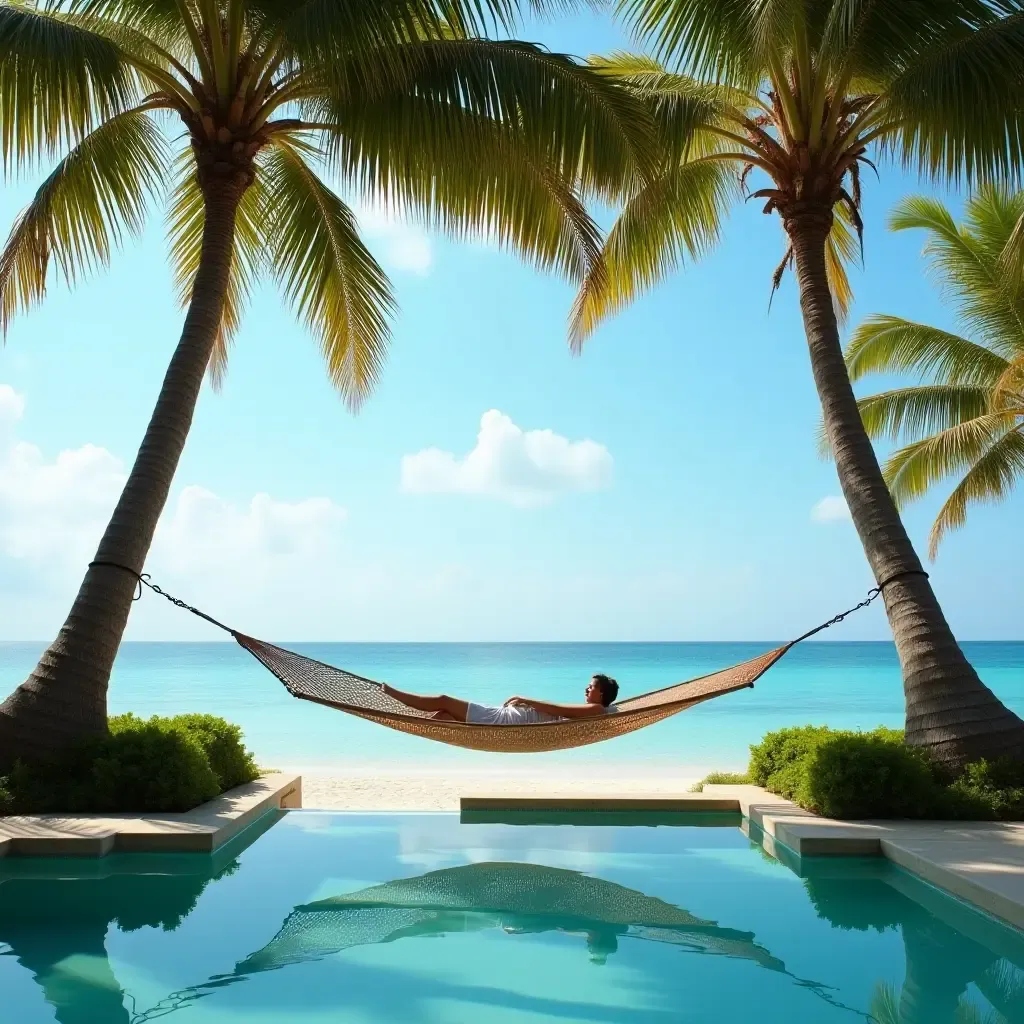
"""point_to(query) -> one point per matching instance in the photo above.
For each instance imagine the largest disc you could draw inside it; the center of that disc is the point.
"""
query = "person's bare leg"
(443, 716)
(452, 706)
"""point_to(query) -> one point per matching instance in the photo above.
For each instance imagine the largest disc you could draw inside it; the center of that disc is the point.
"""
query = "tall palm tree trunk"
(65, 697)
(949, 711)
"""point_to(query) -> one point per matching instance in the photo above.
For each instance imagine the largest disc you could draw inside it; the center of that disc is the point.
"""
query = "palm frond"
(960, 102)
(326, 272)
(79, 214)
(185, 221)
(57, 82)
(890, 344)
(966, 266)
(714, 39)
(674, 218)
(1011, 259)
(685, 111)
(841, 249)
(923, 410)
(991, 478)
(912, 470)
(581, 124)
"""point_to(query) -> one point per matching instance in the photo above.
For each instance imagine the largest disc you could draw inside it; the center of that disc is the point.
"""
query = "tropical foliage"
(238, 115)
(799, 96)
(964, 420)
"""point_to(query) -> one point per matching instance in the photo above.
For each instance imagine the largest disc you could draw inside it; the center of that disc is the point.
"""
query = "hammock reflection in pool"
(518, 898)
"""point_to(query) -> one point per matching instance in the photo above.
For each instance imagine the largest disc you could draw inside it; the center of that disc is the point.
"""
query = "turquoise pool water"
(421, 918)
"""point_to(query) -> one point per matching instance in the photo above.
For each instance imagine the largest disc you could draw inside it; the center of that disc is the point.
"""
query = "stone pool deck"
(981, 862)
(201, 830)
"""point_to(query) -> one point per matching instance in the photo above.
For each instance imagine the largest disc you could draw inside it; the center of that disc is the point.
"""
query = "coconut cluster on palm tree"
(798, 96)
(238, 114)
(965, 419)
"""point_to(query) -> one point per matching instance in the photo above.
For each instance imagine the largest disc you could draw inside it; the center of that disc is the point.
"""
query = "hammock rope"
(312, 680)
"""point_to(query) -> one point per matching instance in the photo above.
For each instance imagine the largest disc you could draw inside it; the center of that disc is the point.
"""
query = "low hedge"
(721, 779)
(843, 774)
(159, 764)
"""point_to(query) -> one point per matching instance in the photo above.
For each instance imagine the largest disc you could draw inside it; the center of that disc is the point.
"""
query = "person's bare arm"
(558, 710)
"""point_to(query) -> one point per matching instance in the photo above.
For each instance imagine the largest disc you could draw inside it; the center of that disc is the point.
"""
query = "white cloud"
(12, 406)
(831, 509)
(403, 246)
(204, 533)
(522, 467)
(52, 514)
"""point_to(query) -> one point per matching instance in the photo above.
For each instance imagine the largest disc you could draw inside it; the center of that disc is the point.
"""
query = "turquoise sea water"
(846, 685)
(420, 919)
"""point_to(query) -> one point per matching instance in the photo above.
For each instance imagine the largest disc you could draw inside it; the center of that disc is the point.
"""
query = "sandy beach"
(439, 789)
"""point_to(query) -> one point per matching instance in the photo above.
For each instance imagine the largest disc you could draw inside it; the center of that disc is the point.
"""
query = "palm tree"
(403, 100)
(966, 419)
(799, 91)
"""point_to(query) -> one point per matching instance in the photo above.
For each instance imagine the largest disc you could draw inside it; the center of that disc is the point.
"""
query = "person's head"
(601, 944)
(602, 690)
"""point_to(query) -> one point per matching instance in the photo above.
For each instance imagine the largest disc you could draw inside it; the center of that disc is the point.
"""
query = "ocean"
(845, 685)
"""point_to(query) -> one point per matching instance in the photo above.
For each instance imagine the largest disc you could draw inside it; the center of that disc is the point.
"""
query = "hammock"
(335, 688)
(309, 679)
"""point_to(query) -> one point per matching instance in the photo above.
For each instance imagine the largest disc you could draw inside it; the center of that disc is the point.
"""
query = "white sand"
(439, 789)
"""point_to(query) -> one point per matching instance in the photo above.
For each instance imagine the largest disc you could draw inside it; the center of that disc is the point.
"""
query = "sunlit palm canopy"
(964, 420)
(402, 104)
(793, 98)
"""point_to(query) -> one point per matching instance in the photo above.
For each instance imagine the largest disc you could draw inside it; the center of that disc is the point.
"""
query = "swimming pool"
(316, 917)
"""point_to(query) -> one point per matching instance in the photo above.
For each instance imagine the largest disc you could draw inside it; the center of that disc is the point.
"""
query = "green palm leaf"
(57, 81)
(990, 478)
(582, 125)
(965, 263)
(676, 217)
(911, 471)
(1012, 256)
(841, 249)
(959, 102)
(890, 344)
(964, 420)
(99, 191)
(326, 273)
(922, 410)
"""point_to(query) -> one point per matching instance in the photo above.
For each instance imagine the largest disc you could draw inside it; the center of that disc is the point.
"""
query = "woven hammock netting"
(316, 681)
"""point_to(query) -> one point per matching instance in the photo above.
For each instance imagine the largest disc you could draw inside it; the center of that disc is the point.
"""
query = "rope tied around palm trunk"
(143, 579)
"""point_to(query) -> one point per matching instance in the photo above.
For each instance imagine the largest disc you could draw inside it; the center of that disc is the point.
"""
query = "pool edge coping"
(201, 830)
(981, 863)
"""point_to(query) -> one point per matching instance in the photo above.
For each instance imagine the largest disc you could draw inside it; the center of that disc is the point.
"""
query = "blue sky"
(689, 516)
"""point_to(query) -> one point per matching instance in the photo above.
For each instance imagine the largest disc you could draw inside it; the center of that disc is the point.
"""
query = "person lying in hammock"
(600, 697)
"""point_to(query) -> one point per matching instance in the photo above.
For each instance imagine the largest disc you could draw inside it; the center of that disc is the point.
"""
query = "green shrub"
(777, 762)
(875, 775)
(721, 779)
(864, 775)
(231, 762)
(988, 790)
(162, 764)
